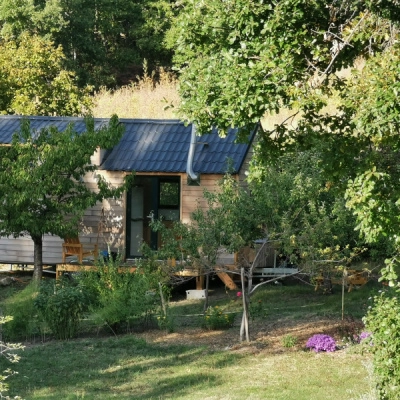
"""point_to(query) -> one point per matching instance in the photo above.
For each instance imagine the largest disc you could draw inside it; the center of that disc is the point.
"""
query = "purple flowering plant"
(321, 342)
(366, 338)
(364, 335)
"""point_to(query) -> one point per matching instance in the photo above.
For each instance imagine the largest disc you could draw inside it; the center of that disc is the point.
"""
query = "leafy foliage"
(166, 322)
(383, 320)
(215, 318)
(247, 60)
(24, 324)
(8, 350)
(302, 209)
(289, 341)
(245, 57)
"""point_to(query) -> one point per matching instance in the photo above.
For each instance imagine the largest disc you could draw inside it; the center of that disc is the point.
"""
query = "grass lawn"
(130, 368)
(193, 363)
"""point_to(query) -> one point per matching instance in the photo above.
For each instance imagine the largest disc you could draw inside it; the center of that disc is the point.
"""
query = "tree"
(102, 42)
(33, 17)
(244, 58)
(288, 205)
(33, 80)
(42, 188)
(248, 59)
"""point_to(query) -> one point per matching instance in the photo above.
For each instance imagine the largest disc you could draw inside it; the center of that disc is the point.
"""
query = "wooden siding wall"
(192, 196)
(104, 223)
(109, 216)
(20, 250)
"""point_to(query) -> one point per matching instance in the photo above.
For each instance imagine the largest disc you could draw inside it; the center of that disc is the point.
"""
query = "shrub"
(383, 320)
(321, 343)
(214, 319)
(120, 297)
(62, 304)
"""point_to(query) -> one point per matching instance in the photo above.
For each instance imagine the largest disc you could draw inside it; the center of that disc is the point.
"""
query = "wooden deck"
(61, 268)
(226, 273)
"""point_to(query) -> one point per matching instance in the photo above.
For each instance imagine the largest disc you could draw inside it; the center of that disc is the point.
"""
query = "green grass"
(127, 367)
(291, 300)
(297, 300)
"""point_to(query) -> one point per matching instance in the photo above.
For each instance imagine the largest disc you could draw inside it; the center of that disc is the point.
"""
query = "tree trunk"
(207, 285)
(244, 327)
(327, 285)
(38, 258)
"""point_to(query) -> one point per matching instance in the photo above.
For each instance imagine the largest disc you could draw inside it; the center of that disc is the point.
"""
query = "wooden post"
(207, 285)
(162, 300)
(200, 281)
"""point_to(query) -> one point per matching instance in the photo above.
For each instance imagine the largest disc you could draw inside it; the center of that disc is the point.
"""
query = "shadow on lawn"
(123, 367)
(172, 387)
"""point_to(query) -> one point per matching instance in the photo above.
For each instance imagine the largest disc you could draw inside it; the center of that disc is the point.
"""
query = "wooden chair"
(73, 247)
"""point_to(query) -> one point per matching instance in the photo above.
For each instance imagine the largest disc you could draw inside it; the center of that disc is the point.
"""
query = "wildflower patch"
(321, 342)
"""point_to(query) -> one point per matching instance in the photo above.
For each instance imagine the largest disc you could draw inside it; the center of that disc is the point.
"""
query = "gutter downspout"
(189, 166)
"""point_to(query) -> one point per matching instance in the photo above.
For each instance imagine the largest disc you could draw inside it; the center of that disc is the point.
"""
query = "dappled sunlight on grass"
(193, 363)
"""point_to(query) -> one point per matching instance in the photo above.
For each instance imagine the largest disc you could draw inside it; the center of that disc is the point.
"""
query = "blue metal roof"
(10, 124)
(152, 145)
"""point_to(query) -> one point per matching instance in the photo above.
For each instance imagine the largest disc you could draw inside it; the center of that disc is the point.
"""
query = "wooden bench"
(353, 279)
(73, 247)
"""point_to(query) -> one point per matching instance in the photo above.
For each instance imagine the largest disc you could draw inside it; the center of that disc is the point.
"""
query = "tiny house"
(172, 167)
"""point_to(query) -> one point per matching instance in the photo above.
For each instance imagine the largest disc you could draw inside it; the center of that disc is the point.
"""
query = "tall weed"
(8, 351)
(24, 324)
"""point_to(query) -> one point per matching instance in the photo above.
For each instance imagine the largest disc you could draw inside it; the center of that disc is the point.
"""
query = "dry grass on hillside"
(155, 96)
(149, 98)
